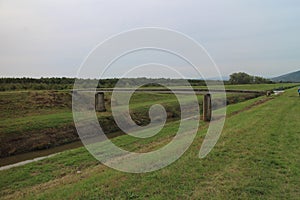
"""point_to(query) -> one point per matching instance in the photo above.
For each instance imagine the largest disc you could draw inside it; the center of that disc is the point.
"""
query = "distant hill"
(291, 77)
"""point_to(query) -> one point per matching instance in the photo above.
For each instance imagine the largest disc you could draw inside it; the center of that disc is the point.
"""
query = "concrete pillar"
(99, 102)
(207, 110)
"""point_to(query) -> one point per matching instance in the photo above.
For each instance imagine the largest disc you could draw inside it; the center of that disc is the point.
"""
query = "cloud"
(51, 38)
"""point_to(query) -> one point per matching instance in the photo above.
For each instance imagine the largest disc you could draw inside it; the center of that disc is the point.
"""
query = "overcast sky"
(52, 37)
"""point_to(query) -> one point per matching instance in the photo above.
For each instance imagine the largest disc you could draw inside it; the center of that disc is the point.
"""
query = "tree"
(244, 78)
(259, 80)
(240, 78)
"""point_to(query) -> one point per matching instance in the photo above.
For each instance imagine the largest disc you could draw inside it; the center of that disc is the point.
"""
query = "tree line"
(9, 84)
(64, 83)
(244, 78)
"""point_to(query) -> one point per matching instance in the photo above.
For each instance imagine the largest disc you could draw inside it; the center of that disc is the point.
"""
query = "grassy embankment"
(258, 87)
(41, 119)
(256, 157)
(33, 120)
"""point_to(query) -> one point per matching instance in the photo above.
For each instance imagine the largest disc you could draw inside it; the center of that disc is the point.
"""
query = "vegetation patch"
(34, 120)
(257, 157)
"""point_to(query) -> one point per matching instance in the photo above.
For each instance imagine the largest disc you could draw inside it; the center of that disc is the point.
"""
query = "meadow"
(41, 119)
(257, 157)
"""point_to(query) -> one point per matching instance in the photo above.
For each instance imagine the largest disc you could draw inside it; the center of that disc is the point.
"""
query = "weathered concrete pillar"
(99, 102)
(207, 110)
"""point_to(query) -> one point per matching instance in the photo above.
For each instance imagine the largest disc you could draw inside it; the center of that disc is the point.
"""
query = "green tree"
(259, 80)
(244, 78)
(241, 78)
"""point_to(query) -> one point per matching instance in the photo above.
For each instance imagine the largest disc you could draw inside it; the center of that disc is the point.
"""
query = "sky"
(51, 38)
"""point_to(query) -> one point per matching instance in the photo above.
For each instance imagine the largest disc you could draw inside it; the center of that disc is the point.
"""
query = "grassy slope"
(23, 111)
(36, 110)
(36, 118)
(257, 87)
(257, 156)
(19, 109)
(33, 110)
(260, 86)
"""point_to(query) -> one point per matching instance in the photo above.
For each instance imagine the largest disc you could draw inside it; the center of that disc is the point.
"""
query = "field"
(256, 157)
(35, 120)
(261, 86)
(257, 87)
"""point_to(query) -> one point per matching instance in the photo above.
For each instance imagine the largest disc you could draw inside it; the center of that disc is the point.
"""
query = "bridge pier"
(100, 102)
(207, 108)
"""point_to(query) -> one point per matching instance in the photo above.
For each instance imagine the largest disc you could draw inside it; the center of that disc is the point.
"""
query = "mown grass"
(27, 111)
(38, 117)
(258, 87)
(38, 122)
(18, 104)
(23, 111)
(41, 119)
(261, 86)
(35, 115)
(45, 118)
(257, 157)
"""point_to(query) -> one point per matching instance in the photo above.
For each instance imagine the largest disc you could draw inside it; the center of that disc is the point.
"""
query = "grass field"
(42, 119)
(261, 86)
(34, 120)
(257, 87)
(250, 87)
(34, 110)
(257, 157)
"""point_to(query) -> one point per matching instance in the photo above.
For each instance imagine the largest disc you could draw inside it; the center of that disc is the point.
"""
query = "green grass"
(30, 117)
(257, 87)
(38, 122)
(19, 108)
(36, 116)
(261, 86)
(257, 157)
(28, 103)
